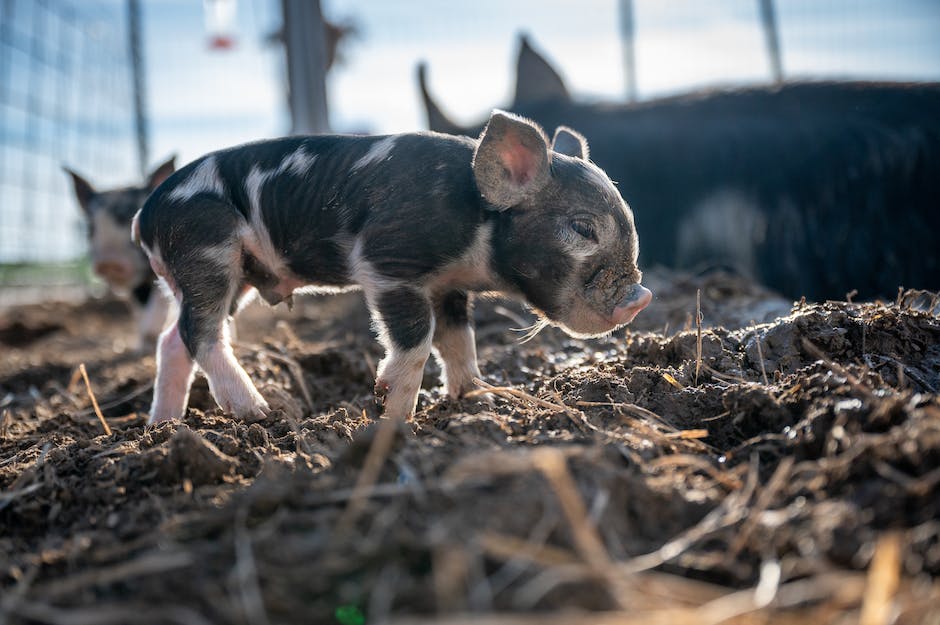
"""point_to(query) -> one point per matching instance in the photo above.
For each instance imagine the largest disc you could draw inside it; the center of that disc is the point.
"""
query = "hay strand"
(94, 402)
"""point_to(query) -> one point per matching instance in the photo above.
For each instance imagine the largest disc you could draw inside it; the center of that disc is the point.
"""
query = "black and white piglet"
(418, 221)
(114, 257)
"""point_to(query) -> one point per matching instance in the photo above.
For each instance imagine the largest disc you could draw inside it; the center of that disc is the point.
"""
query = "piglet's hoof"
(160, 418)
(487, 400)
(381, 392)
(250, 411)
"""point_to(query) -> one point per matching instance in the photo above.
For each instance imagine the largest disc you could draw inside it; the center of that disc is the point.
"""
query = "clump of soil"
(660, 471)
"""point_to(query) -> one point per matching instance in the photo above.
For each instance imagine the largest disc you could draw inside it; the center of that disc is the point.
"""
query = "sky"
(201, 100)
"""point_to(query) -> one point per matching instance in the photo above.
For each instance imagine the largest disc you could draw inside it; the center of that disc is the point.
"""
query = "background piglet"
(114, 256)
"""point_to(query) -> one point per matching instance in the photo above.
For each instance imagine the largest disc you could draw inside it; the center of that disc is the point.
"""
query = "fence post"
(137, 73)
(627, 32)
(305, 46)
(769, 22)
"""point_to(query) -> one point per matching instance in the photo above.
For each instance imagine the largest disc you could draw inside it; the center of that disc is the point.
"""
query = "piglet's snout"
(114, 272)
(637, 298)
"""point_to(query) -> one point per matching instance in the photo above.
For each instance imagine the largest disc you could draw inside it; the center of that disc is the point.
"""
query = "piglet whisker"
(532, 330)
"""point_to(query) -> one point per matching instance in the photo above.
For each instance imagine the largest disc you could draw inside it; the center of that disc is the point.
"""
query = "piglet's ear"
(570, 143)
(83, 189)
(511, 161)
(161, 173)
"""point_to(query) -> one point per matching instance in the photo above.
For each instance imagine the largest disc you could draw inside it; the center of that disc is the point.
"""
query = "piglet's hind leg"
(175, 369)
(206, 333)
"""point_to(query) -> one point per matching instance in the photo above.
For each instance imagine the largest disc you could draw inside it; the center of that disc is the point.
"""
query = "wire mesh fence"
(65, 99)
(67, 82)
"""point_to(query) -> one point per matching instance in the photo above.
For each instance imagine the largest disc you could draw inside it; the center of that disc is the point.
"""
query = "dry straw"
(94, 402)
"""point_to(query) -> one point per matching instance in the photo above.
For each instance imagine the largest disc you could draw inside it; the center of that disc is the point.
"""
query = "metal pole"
(627, 38)
(305, 45)
(137, 74)
(769, 20)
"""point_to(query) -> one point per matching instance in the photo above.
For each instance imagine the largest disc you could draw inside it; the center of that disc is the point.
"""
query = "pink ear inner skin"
(518, 158)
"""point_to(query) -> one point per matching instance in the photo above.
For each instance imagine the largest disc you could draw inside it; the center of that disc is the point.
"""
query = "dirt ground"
(782, 464)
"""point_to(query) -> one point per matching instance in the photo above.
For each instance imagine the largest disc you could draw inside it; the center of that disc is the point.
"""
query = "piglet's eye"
(585, 229)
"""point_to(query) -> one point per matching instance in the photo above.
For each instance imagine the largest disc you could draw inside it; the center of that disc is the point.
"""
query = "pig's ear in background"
(161, 173)
(570, 143)
(437, 121)
(511, 161)
(83, 189)
(536, 79)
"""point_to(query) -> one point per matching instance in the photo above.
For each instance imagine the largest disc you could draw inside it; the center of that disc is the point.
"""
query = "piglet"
(114, 256)
(418, 221)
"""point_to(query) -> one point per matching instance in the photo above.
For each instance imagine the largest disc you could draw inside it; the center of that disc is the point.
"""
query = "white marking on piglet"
(297, 162)
(204, 179)
(230, 385)
(401, 372)
(381, 150)
(223, 256)
(471, 270)
(175, 370)
(457, 353)
(253, 183)
(365, 275)
(135, 230)
(257, 238)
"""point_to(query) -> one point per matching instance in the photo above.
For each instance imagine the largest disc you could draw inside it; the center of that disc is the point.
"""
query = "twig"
(554, 467)
(509, 391)
(688, 434)
(764, 499)
(106, 615)
(118, 401)
(760, 356)
(375, 459)
(94, 402)
(853, 381)
(728, 513)
(10, 495)
(698, 333)
(883, 580)
(4, 421)
(726, 478)
(724, 377)
(637, 410)
(149, 564)
(246, 573)
(506, 547)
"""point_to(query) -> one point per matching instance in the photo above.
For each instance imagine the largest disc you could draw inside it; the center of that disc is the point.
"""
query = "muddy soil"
(661, 474)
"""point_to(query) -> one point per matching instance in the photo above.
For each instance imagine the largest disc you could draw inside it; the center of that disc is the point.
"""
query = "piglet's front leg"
(455, 343)
(403, 318)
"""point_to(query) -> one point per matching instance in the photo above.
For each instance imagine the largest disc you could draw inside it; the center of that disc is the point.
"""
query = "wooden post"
(305, 46)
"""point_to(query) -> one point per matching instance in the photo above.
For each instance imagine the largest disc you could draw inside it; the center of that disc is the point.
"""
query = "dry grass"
(94, 401)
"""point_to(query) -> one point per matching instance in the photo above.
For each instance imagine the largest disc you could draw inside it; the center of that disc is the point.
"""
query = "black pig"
(812, 188)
